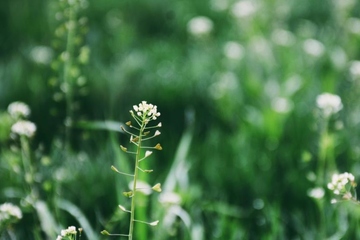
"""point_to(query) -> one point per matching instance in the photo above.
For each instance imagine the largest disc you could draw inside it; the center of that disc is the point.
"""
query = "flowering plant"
(143, 114)
(343, 185)
(9, 213)
(69, 234)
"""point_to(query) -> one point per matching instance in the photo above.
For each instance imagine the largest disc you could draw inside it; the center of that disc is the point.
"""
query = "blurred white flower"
(329, 103)
(146, 110)
(18, 110)
(234, 50)
(282, 37)
(69, 231)
(24, 127)
(244, 8)
(338, 57)
(339, 181)
(262, 49)
(355, 69)
(41, 54)
(313, 47)
(9, 211)
(170, 198)
(281, 105)
(141, 186)
(199, 26)
(317, 193)
(353, 25)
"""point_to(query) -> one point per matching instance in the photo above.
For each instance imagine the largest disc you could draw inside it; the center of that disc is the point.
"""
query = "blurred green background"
(236, 84)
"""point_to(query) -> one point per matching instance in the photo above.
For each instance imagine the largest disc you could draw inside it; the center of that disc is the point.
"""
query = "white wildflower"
(234, 50)
(244, 8)
(24, 127)
(353, 25)
(18, 110)
(170, 198)
(355, 68)
(141, 186)
(313, 47)
(281, 105)
(41, 54)
(339, 181)
(329, 103)
(283, 38)
(69, 231)
(9, 211)
(317, 193)
(199, 26)
(147, 111)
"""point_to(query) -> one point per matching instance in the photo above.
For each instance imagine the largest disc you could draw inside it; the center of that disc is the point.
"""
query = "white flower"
(282, 37)
(41, 54)
(59, 237)
(146, 111)
(8, 211)
(170, 198)
(355, 68)
(339, 181)
(281, 105)
(24, 127)
(69, 231)
(141, 186)
(353, 25)
(233, 50)
(317, 193)
(244, 8)
(18, 109)
(313, 47)
(329, 103)
(199, 26)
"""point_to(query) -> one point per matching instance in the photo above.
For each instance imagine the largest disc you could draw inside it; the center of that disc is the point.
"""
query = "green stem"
(323, 147)
(28, 170)
(138, 151)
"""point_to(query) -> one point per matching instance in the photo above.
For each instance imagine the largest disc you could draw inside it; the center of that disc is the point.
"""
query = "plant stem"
(138, 151)
(323, 148)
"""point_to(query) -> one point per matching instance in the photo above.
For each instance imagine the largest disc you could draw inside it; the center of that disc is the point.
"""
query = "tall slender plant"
(143, 114)
(74, 55)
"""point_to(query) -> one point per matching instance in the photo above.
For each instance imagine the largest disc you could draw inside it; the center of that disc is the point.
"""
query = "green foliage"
(243, 138)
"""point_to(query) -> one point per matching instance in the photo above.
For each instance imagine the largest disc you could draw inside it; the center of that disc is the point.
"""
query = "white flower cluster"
(339, 181)
(67, 232)
(244, 9)
(8, 211)
(146, 110)
(199, 26)
(329, 103)
(18, 110)
(23, 127)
